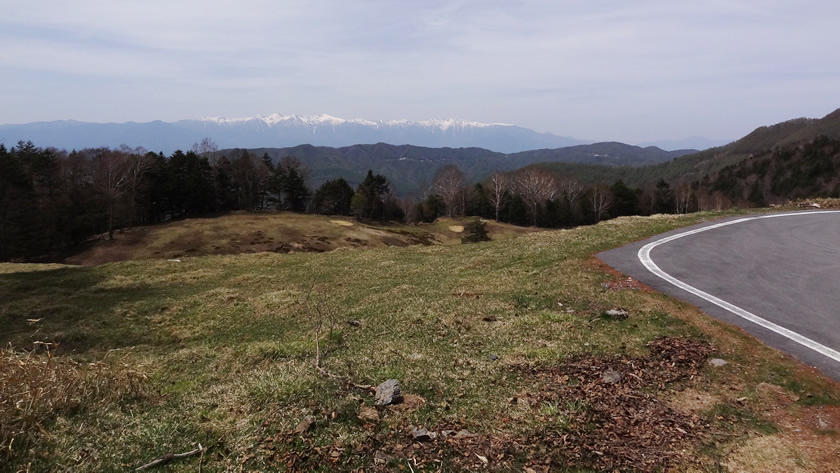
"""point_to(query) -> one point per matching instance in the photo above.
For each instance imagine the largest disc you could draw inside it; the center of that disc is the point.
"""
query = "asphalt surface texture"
(783, 268)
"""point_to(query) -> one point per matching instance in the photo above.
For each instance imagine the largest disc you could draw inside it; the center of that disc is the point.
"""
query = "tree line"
(535, 196)
(52, 200)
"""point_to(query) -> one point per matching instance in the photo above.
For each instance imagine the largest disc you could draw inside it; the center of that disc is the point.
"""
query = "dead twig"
(345, 380)
(171, 456)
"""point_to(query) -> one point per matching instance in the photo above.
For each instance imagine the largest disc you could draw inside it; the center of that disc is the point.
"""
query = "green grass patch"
(226, 344)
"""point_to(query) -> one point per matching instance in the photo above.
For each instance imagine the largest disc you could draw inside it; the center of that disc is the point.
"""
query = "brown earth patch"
(692, 400)
(410, 402)
(618, 280)
(614, 422)
(606, 423)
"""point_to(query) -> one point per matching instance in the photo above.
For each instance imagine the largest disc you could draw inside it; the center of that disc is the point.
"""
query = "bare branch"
(498, 185)
(169, 457)
(450, 184)
(536, 185)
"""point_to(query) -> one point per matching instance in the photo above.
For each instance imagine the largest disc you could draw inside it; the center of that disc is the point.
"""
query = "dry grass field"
(504, 351)
(270, 232)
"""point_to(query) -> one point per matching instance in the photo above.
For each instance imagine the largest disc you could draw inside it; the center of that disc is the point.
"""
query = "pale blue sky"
(621, 70)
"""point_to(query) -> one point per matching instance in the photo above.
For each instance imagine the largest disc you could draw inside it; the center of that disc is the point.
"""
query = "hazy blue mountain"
(282, 131)
(691, 142)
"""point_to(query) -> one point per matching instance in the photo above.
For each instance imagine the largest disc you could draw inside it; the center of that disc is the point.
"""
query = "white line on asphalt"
(644, 257)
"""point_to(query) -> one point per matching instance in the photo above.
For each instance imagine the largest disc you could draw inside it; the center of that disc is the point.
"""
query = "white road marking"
(644, 257)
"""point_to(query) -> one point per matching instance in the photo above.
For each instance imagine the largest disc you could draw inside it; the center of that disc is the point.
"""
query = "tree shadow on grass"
(66, 307)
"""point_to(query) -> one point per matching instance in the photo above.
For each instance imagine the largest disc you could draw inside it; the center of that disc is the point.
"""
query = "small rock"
(422, 435)
(388, 393)
(611, 376)
(464, 433)
(815, 205)
(618, 314)
(304, 425)
(821, 424)
(461, 434)
(718, 362)
(493, 357)
(354, 323)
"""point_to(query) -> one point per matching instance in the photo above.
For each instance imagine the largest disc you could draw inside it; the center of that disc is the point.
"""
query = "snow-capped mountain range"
(328, 120)
(277, 130)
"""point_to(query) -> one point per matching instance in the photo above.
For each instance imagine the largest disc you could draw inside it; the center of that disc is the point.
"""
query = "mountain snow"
(278, 130)
(277, 119)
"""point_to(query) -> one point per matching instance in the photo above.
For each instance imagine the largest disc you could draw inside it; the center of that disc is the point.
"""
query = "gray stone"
(388, 393)
(618, 314)
(464, 433)
(422, 435)
(821, 424)
(305, 425)
(611, 376)
(493, 357)
(717, 362)
(460, 434)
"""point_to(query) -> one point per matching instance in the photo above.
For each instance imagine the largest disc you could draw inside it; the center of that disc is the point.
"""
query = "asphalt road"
(776, 276)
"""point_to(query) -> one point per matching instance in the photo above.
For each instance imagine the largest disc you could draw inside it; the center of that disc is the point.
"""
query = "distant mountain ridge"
(277, 130)
(767, 142)
(409, 167)
(761, 140)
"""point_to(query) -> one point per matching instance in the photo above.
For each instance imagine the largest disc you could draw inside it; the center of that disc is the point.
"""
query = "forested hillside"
(410, 168)
(810, 169)
(52, 200)
(695, 166)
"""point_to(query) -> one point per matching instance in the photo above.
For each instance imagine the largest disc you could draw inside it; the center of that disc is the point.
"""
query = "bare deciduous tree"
(682, 196)
(138, 164)
(110, 178)
(571, 189)
(207, 147)
(721, 201)
(601, 200)
(536, 185)
(497, 187)
(450, 184)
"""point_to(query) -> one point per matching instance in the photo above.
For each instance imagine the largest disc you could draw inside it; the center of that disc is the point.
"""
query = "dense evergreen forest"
(52, 200)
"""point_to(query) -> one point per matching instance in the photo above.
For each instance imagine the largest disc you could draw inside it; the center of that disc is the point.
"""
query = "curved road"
(777, 276)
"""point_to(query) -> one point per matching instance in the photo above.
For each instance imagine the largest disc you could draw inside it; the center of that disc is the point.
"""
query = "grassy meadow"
(285, 232)
(266, 360)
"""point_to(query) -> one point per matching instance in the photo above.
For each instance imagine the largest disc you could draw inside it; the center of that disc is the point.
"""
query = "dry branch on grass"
(163, 459)
(315, 306)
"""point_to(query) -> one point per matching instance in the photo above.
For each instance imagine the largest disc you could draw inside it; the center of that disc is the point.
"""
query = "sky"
(630, 71)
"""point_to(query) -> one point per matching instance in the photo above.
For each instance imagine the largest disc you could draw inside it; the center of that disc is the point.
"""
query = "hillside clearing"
(506, 351)
(268, 232)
